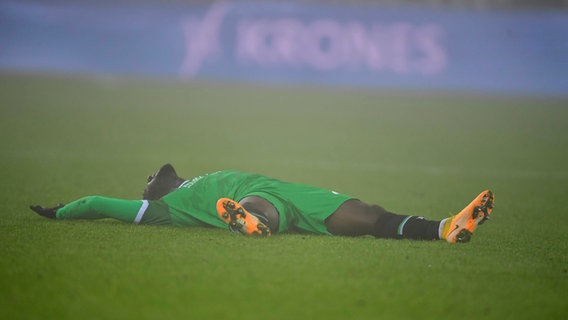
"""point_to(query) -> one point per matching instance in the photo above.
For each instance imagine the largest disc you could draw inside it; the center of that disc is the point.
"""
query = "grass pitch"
(67, 137)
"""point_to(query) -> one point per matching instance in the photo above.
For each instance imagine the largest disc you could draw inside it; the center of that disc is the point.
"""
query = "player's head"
(161, 183)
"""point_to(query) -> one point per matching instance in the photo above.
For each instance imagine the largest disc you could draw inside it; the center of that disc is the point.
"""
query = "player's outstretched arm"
(96, 207)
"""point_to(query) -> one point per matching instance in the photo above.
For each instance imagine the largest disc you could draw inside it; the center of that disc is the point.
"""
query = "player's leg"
(97, 207)
(357, 218)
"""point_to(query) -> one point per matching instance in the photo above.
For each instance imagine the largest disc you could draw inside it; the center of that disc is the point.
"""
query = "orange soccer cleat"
(460, 227)
(239, 219)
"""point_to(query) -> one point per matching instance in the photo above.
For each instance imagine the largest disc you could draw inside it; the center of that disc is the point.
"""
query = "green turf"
(428, 154)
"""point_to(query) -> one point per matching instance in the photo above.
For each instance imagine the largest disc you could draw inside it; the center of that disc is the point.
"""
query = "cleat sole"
(239, 220)
(464, 223)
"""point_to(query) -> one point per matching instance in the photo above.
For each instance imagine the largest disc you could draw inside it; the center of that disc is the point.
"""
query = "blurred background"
(503, 47)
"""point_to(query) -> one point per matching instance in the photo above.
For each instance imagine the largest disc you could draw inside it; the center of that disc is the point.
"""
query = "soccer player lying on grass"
(253, 204)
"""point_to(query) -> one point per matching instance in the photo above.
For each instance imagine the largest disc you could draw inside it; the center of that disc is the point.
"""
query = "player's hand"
(46, 212)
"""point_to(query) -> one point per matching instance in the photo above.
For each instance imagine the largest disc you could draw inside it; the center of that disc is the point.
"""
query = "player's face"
(161, 183)
(151, 192)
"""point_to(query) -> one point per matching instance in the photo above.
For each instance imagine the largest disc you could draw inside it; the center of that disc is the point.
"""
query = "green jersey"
(300, 207)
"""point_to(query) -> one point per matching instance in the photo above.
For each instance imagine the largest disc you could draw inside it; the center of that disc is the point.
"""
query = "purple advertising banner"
(373, 46)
